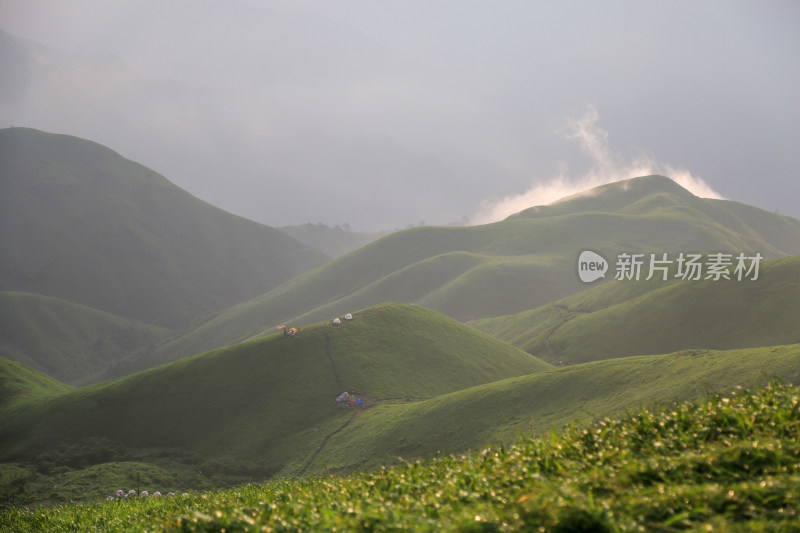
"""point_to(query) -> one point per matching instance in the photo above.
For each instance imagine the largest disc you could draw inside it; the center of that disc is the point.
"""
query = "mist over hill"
(145, 308)
(335, 241)
(382, 117)
(503, 268)
(86, 226)
(81, 223)
(113, 272)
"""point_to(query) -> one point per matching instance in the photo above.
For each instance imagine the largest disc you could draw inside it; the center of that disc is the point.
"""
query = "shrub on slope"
(80, 222)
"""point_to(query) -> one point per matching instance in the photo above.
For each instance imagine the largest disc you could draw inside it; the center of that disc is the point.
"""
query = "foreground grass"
(731, 463)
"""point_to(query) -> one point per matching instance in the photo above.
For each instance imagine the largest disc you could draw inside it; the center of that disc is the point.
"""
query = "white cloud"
(607, 167)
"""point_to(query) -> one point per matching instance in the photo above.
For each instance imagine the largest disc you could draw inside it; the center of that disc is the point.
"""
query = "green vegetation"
(657, 194)
(81, 223)
(258, 409)
(20, 384)
(729, 463)
(500, 411)
(498, 269)
(70, 342)
(265, 409)
(625, 318)
(127, 272)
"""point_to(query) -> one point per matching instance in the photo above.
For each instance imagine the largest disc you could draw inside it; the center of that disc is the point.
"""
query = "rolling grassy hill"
(263, 407)
(21, 384)
(648, 317)
(503, 268)
(102, 436)
(653, 194)
(81, 223)
(70, 342)
(726, 463)
(500, 412)
(266, 408)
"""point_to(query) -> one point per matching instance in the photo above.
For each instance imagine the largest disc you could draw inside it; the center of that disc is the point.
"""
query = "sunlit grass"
(729, 463)
(629, 318)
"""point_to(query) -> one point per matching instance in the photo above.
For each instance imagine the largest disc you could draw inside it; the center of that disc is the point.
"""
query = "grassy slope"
(20, 384)
(498, 269)
(638, 317)
(501, 411)
(82, 223)
(203, 433)
(653, 193)
(262, 407)
(727, 463)
(67, 341)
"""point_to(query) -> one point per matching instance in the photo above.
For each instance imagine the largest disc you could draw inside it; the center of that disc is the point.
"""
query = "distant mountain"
(523, 262)
(627, 318)
(334, 241)
(657, 194)
(267, 403)
(81, 223)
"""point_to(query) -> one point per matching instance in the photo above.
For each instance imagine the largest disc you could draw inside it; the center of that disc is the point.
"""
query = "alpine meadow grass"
(730, 462)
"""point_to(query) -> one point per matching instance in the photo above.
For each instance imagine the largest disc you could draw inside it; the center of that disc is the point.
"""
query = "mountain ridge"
(270, 393)
(479, 272)
(636, 317)
(112, 234)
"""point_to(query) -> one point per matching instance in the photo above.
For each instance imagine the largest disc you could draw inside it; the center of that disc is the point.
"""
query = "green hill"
(726, 463)
(503, 268)
(20, 384)
(652, 194)
(648, 317)
(203, 432)
(260, 408)
(81, 223)
(70, 342)
(502, 411)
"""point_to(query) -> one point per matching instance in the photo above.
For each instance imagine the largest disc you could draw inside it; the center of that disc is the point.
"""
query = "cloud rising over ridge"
(608, 166)
(382, 115)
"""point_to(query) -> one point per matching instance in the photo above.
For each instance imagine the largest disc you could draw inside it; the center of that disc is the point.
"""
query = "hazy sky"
(387, 113)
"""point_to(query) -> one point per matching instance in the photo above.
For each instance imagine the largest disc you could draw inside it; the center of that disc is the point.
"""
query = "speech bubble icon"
(591, 266)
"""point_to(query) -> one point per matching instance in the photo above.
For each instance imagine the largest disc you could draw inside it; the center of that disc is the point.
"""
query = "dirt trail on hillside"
(573, 313)
(326, 439)
(338, 386)
(568, 310)
(330, 360)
